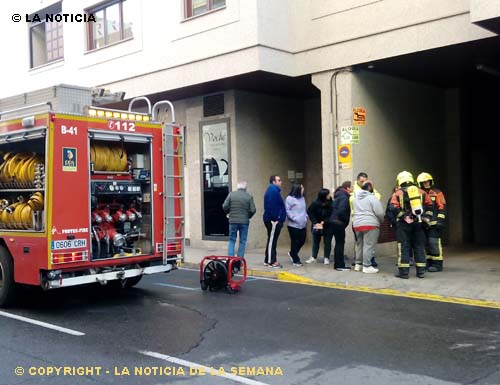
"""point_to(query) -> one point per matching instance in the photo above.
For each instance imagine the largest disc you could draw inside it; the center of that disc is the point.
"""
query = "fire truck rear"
(88, 197)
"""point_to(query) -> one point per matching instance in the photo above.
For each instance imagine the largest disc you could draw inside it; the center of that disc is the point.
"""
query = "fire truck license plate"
(69, 244)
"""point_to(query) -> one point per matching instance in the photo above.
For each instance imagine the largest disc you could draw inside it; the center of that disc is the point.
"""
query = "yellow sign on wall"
(344, 155)
(359, 116)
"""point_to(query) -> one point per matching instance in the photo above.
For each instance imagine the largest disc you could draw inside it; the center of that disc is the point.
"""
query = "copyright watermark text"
(57, 17)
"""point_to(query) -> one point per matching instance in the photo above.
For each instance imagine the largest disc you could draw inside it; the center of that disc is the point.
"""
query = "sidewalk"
(471, 275)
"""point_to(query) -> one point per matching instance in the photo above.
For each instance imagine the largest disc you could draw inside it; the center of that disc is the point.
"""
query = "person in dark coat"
(340, 218)
(319, 212)
(274, 216)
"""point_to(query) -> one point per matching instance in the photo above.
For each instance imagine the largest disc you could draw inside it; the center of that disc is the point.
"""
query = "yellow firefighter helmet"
(404, 177)
(423, 177)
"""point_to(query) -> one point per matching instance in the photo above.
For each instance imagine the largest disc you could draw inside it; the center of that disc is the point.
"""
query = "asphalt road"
(299, 334)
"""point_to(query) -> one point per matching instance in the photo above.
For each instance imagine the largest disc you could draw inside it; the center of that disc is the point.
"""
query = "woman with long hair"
(319, 212)
(295, 205)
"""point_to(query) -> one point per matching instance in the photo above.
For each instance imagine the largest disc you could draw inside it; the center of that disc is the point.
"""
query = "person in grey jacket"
(240, 207)
(368, 215)
(295, 206)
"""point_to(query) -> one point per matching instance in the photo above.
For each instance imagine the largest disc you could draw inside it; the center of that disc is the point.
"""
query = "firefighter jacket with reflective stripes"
(437, 212)
(400, 204)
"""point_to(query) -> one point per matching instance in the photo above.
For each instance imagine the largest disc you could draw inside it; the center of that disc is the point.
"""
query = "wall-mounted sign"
(344, 153)
(349, 135)
(359, 116)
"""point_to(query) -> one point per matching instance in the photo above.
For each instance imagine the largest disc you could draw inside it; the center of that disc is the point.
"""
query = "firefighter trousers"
(410, 237)
(433, 248)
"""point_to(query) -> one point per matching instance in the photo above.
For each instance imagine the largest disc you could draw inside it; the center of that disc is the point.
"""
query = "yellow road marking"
(285, 276)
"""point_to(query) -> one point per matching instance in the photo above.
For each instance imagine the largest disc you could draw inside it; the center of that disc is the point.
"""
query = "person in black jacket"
(338, 222)
(319, 212)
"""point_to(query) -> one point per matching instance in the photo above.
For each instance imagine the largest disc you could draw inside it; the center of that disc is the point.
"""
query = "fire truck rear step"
(103, 278)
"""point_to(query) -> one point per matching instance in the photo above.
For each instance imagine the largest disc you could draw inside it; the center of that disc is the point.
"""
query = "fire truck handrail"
(26, 107)
(140, 98)
(164, 102)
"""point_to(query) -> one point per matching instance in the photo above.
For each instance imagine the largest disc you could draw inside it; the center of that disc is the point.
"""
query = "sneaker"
(358, 267)
(298, 264)
(369, 270)
(311, 260)
(326, 261)
(291, 259)
(345, 268)
(276, 265)
(266, 264)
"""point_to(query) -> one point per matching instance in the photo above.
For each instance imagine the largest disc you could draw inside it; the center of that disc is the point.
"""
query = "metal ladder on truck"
(173, 179)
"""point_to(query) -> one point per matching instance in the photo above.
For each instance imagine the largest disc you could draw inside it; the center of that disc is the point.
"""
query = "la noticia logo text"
(60, 17)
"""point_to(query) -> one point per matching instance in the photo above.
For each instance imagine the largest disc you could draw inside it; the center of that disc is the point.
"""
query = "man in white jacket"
(368, 215)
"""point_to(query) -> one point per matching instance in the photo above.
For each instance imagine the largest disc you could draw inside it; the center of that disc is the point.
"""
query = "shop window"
(46, 38)
(198, 7)
(112, 24)
(215, 175)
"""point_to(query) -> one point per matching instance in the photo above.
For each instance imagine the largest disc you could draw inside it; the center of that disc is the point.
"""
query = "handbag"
(318, 229)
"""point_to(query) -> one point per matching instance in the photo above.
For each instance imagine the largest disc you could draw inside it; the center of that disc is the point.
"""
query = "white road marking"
(177, 286)
(42, 324)
(189, 364)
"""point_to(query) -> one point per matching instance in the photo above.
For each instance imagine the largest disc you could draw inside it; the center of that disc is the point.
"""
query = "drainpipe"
(334, 128)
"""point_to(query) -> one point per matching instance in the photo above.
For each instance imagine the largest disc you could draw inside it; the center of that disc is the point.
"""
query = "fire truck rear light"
(75, 256)
(174, 246)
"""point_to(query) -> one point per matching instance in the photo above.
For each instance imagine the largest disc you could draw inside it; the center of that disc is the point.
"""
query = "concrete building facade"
(273, 84)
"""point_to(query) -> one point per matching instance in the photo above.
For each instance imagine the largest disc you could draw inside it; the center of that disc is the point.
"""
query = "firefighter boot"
(420, 272)
(428, 263)
(403, 272)
(436, 266)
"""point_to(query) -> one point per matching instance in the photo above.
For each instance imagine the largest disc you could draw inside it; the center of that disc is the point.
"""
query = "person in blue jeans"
(239, 207)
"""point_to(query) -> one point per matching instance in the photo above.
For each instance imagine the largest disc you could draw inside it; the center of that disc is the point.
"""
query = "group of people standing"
(418, 217)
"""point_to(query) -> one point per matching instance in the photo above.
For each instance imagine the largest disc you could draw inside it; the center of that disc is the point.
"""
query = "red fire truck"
(90, 197)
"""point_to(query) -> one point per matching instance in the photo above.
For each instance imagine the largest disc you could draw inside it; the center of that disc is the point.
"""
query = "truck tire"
(7, 284)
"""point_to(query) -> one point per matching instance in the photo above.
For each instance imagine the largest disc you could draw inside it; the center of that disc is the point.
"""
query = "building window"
(46, 38)
(112, 24)
(198, 7)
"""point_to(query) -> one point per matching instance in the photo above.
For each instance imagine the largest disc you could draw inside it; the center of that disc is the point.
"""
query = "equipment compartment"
(121, 220)
(22, 180)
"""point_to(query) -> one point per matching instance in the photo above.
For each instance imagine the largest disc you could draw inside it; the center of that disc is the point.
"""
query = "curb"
(285, 276)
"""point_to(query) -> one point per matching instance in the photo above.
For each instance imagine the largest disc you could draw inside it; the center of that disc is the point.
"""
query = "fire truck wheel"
(7, 284)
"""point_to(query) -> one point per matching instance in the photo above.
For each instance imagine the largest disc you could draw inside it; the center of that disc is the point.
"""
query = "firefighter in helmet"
(437, 216)
(408, 205)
